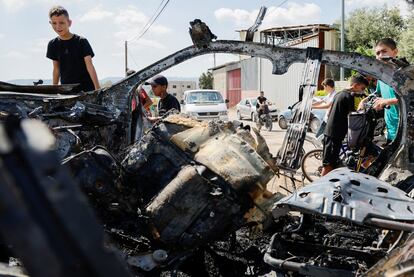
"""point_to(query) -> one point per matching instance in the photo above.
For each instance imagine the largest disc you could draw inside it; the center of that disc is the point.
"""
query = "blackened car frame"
(184, 197)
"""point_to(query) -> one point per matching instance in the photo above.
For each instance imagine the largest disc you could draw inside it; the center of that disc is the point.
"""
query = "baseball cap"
(158, 80)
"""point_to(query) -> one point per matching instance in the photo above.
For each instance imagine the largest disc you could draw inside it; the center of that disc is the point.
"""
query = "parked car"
(315, 119)
(204, 104)
(247, 108)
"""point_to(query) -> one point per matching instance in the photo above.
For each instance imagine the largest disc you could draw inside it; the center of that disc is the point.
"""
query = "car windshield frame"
(200, 96)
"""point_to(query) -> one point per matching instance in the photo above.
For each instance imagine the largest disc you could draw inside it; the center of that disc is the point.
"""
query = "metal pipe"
(260, 73)
(305, 269)
(302, 268)
(67, 127)
(342, 73)
(282, 264)
(214, 60)
(391, 225)
(126, 58)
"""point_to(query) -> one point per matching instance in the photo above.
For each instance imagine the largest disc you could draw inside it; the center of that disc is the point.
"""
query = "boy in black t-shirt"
(337, 124)
(71, 54)
(159, 85)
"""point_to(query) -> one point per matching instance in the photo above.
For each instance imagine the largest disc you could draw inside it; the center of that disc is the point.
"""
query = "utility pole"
(214, 58)
(126, 57)
(342, 73)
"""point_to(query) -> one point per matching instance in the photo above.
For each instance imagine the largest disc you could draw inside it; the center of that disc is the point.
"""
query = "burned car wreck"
(189, 198)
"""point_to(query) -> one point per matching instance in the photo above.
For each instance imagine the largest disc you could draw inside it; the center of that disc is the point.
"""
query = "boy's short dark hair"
(328, 82)
(58, 10)
(359, 79)
(387, 42)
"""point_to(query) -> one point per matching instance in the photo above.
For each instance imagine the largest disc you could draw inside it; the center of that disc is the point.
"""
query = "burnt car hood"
(355, 197)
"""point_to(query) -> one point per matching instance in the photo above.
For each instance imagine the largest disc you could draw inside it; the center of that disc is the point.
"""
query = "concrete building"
(177, 88)
(248, 76)
(227, 81)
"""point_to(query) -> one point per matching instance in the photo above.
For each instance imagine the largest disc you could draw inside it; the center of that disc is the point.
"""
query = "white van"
(204, 104)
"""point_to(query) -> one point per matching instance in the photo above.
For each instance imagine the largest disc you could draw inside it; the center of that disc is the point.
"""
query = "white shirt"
(328, 100)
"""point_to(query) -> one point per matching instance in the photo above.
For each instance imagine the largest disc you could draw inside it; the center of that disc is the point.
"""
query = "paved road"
(274, 140)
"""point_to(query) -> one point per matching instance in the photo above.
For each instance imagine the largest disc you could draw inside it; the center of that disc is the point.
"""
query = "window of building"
(174, 86)
(188, 86)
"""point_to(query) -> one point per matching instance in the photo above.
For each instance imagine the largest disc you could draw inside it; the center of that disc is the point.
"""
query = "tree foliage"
(366, 51)
(364, 27)
(406, 45)
(206, 80)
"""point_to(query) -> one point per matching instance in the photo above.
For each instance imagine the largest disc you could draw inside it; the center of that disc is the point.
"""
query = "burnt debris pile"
(86, 191)
(188, 199)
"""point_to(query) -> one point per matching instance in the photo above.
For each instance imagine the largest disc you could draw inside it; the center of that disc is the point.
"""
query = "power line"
(278, 6)
(143, 31)
(152, 22)
(149, 20)
(133, 59)
(154, 19)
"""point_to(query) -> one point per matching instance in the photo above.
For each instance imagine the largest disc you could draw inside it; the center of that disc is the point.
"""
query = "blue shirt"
(391, 115)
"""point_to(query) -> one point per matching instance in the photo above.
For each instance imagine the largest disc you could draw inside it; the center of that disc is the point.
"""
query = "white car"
(247, 108)
(205, 104)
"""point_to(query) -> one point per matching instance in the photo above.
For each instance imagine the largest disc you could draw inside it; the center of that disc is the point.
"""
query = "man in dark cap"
(167, 102)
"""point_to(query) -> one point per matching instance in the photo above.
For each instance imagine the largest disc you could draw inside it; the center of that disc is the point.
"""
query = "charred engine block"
(315, 246)
(194, 181)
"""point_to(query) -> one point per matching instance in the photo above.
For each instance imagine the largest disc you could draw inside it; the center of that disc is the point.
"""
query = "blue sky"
(25, 30)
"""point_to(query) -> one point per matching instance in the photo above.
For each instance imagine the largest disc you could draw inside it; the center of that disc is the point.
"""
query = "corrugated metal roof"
(324, 27)
(300, 41)
(224, 65)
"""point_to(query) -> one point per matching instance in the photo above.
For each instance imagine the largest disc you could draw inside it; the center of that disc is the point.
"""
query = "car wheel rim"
(282, 123)
(314, 126)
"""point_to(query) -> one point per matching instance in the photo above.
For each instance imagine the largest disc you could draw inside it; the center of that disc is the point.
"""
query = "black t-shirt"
(337, 124)
(70, 54)
(260, 100)
(168, 103)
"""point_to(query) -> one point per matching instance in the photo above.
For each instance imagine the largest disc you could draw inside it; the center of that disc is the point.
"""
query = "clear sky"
(25, 30)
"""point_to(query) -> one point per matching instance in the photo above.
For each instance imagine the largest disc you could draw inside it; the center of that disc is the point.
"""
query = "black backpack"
(357, 129)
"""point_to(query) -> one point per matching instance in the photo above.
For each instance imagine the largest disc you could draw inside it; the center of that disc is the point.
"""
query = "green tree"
(364, 27)
(206, 80)
(366, 51)
(406, 44)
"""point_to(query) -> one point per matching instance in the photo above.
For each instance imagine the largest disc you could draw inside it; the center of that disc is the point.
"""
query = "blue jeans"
(321, 129)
